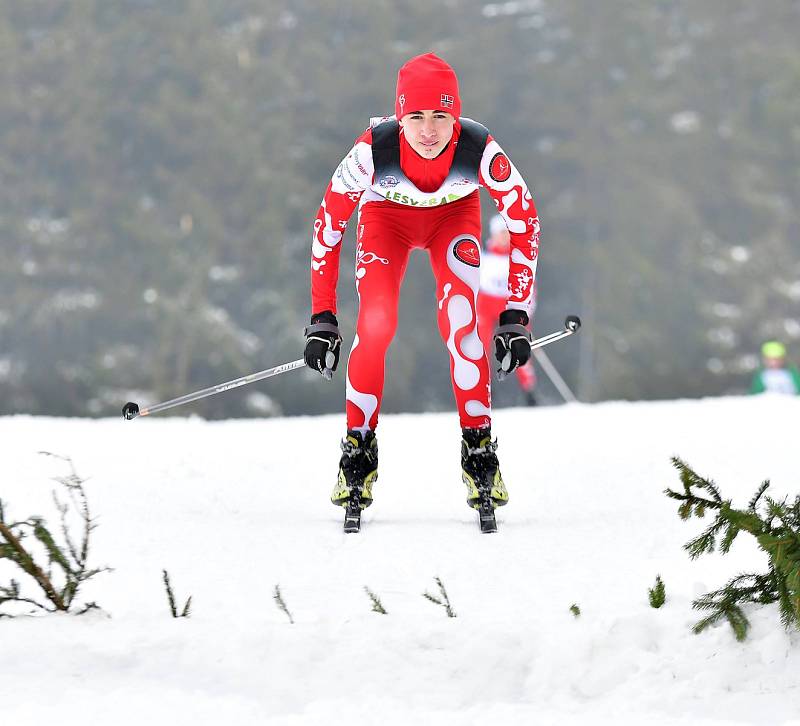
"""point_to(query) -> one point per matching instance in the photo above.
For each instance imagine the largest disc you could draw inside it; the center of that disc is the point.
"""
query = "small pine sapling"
(775, 526)
(442, 600)
(657, 594)
(173, 608)
(278, 598)
(377, 605)
(67, 560)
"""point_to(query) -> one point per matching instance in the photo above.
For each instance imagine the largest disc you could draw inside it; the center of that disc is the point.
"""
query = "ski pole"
(571, 325)
(555, 377)
(131, 410)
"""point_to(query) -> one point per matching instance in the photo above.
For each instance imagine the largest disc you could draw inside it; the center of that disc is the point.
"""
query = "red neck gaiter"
(428, 175)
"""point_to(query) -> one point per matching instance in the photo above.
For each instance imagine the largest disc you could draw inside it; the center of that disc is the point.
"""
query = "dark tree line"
(161, 163)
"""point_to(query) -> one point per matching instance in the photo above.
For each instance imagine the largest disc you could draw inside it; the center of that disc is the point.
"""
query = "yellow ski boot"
(480, 471)
(358, 471)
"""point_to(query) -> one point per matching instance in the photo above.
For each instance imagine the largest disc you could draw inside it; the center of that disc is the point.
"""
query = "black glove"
(323, 343)
(512, 341)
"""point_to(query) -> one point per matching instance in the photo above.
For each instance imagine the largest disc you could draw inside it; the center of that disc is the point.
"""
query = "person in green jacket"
(775, 375)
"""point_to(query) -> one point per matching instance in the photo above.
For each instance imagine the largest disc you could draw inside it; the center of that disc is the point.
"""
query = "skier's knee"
(378, 324)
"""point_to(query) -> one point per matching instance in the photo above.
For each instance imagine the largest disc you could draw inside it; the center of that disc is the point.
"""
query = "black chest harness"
(386, 152)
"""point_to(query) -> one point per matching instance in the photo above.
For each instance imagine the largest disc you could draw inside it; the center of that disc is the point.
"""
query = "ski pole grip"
(330, 359)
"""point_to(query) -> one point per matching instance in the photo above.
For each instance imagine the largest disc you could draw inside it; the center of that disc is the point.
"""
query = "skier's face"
(428, 132)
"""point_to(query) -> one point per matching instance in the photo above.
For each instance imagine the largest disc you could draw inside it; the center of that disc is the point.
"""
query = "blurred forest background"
(162, 161)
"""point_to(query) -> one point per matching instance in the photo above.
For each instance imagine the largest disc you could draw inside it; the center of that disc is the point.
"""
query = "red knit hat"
(427, 82)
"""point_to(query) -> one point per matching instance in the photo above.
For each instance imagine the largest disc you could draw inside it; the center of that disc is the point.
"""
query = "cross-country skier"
(775, 375)
(415, 177)
(493, 297)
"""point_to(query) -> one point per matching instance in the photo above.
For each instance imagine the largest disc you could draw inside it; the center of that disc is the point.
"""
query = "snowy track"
(232, 509)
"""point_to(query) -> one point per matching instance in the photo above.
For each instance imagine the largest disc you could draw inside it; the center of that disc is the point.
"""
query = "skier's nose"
(428, 131)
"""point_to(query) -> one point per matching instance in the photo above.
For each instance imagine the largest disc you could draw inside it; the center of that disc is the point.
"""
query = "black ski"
(486, 517)
(352, 517)
(352, 511)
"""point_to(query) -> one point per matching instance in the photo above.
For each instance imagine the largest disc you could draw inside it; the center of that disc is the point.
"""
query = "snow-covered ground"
(232, 509)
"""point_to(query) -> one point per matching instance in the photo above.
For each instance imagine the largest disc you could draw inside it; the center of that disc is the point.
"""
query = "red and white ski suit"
(492, 300)
(427, 204)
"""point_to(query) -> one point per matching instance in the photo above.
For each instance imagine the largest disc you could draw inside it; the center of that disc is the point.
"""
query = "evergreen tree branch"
(738, 621)
(690, 479)
(776, 527)
(377, 605)
(11, 593)
(731, 530)
(706, 541)
(173, 606)
(60, 587)
(707, 621)
(65, 533)
(692, 499)
(278, 598)
(432, 598)
(753, 503)
(25, 561)
(443, 600)
(73, 484)
(657, 594)
(54, 552)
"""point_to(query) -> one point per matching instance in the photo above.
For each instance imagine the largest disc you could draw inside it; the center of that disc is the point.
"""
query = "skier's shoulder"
(381, 123)
(381, 120)
(498, 173)
(365, 137)
(495, 165)
(474, 131)
(354, 173)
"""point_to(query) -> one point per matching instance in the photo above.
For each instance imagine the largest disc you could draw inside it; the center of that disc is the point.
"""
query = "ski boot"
(358, 470)
(480, 471)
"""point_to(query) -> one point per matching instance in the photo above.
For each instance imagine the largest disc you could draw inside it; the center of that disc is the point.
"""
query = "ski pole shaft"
(131, 410)
(555, 377)
(572, 325)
